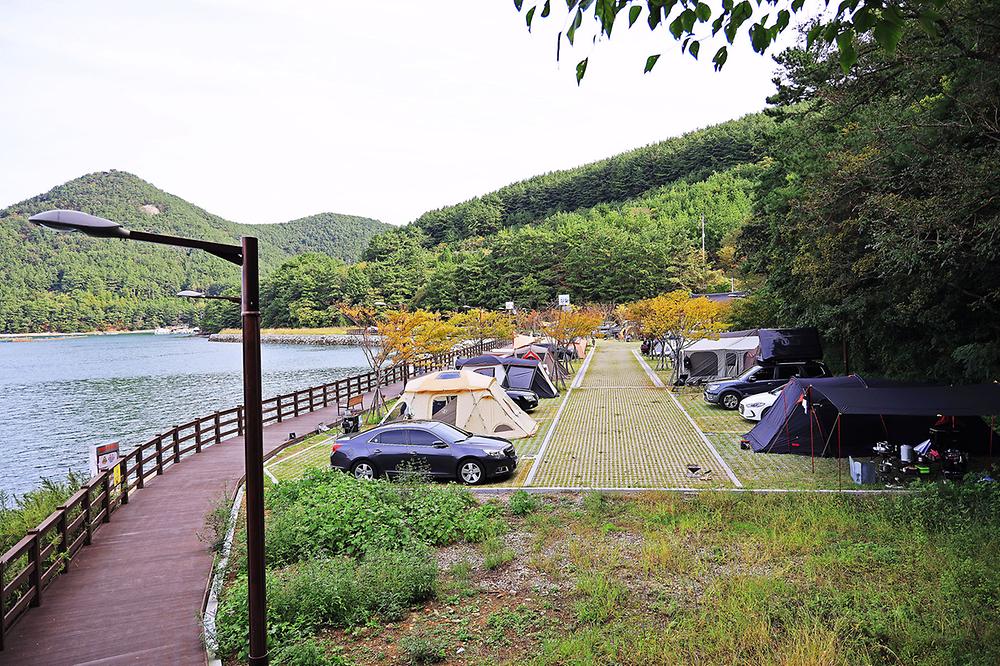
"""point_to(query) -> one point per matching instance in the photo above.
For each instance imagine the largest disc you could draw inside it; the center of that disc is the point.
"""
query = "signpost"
(104, 457)
(563, 300)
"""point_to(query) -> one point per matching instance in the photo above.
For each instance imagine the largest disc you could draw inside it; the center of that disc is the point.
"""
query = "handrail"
(30, 565)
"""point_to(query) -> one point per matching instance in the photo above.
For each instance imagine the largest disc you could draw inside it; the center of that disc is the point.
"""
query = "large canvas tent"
(534, 351)
(789, 344)
(725, 357)
(512, 372)
(465, 399)
(840, 416)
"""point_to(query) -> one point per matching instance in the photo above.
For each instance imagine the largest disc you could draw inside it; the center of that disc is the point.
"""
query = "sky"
(271, 111)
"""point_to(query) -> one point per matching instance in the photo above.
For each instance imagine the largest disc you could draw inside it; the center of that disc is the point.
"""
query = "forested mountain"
(68, 282)
(691, 157)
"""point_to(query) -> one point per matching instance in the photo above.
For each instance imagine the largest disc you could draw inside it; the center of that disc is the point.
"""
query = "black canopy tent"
(839, 416)
(520, 373)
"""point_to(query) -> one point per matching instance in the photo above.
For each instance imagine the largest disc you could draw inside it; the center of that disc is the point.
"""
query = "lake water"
(58, 397)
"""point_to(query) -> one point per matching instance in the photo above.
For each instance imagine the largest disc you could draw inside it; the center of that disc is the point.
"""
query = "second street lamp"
(245, 256)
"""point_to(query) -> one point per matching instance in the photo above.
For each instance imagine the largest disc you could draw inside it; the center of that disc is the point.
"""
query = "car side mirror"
(440, 445)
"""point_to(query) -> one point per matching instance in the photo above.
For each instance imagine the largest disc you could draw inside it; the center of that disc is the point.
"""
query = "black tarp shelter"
(518, 373)
(789, 344)
(841, 416)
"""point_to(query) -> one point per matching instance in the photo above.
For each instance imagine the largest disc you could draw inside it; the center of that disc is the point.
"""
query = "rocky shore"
(342, 340)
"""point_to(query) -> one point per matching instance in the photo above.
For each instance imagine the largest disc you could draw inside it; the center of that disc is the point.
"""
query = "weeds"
(420, 648)
(522, 503)
(495, 553)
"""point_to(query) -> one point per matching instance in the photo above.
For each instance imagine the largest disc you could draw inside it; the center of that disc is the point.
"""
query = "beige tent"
(465, 399)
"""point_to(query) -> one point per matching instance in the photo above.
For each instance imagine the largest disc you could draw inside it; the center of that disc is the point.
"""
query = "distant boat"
(161, 331)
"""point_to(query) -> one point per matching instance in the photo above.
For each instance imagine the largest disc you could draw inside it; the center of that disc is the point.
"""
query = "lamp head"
(74, 220)
(190, 293)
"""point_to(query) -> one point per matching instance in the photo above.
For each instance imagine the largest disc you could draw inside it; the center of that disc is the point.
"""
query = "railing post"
(239, 420)
(218, 430)
(35, 577)
(279, 408)
(3, 601)
(106, 487)
(295, 399)
(197, 435)
(124, 487)
(159, 455)
(177, 445)
(87, 523)
(140, 482)
(63, 546)
(324, 395)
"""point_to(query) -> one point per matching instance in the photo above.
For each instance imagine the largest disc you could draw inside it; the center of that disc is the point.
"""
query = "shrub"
(420, 649)
(329, 513)
(522, 503)
(306, 652)
(333, 592)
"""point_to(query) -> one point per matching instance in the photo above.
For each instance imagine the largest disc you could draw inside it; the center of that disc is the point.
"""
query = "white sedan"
(752, 407)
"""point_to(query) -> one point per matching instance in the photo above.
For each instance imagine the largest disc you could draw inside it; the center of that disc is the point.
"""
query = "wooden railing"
(31, 565)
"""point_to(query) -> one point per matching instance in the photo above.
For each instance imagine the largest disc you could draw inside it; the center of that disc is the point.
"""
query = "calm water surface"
(58, 397)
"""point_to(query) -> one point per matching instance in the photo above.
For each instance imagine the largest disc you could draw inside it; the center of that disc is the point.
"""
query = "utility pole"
(703, 236)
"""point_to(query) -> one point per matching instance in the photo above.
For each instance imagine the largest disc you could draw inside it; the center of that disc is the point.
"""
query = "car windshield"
(778, 390)
(453, 432)
(746, 375)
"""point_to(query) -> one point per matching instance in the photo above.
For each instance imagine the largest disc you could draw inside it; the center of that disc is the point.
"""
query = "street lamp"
(245, 256)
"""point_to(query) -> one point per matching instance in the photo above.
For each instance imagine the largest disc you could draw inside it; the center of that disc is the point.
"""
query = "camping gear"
(840, 416)
(789, 344)
(465, 399)
(512, 372)
(954, 462)
(351, 424)
(861, 472)
(906, 453)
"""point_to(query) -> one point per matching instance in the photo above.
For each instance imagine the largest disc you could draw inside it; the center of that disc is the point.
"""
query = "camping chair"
(679, 383)
(351, 405)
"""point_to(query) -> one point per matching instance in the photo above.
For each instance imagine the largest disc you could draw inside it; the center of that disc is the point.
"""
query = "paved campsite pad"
(620, 431)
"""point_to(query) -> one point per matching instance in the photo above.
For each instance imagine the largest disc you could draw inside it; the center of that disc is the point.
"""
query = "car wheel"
(363, 470)
(729, 400)
(470, 472)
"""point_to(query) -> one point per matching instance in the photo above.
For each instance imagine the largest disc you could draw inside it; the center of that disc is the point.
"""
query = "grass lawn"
(649, 578)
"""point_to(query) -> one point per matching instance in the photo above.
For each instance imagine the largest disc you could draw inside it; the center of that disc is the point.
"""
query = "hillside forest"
(862, 203)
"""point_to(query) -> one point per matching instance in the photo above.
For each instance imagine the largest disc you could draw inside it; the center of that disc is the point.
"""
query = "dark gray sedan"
(444, 451)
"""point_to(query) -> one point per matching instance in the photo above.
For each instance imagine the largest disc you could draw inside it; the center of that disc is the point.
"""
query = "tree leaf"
(928, 20)
(694, 48)
(703, 12)
(650, 63)
(720, 58)
(887, 35)
(558, 45)
(676, 28)
(527, 17)
(546, 8)
(633, 15)
(581, 69)
(848, 54)
(518, 3)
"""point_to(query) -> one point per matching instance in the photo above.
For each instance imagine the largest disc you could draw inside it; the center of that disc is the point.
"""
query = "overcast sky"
(269, 111)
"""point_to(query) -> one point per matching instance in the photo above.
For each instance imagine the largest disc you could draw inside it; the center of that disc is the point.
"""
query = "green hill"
(691, 157)
(68, 282)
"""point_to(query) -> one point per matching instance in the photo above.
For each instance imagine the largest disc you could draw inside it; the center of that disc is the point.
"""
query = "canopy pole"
(812, 446)
(840, 467)
(784, 408)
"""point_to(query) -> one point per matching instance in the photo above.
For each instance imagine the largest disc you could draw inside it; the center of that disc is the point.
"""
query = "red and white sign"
(103, 457)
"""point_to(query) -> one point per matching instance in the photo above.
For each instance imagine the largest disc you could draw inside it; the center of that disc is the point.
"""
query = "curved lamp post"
(245, 256)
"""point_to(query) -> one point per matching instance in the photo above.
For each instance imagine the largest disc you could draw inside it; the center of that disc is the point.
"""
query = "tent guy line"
(715, 453)
(555, 421)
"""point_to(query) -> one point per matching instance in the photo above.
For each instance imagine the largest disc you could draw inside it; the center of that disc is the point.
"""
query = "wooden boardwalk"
(135, 595)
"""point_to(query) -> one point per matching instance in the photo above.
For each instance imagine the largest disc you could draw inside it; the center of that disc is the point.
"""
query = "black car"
(445, 451)
(760, 379)
(526, 400)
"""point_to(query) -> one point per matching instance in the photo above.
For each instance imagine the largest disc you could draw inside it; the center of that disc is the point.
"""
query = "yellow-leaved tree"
(565, 327)
(676, 321)
(479, 324)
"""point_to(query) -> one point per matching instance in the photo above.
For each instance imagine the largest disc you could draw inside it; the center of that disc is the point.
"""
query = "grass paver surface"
(618, 430)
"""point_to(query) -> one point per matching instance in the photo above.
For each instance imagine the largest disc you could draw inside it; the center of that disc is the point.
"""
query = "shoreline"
(47, 336)
(332, 340)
